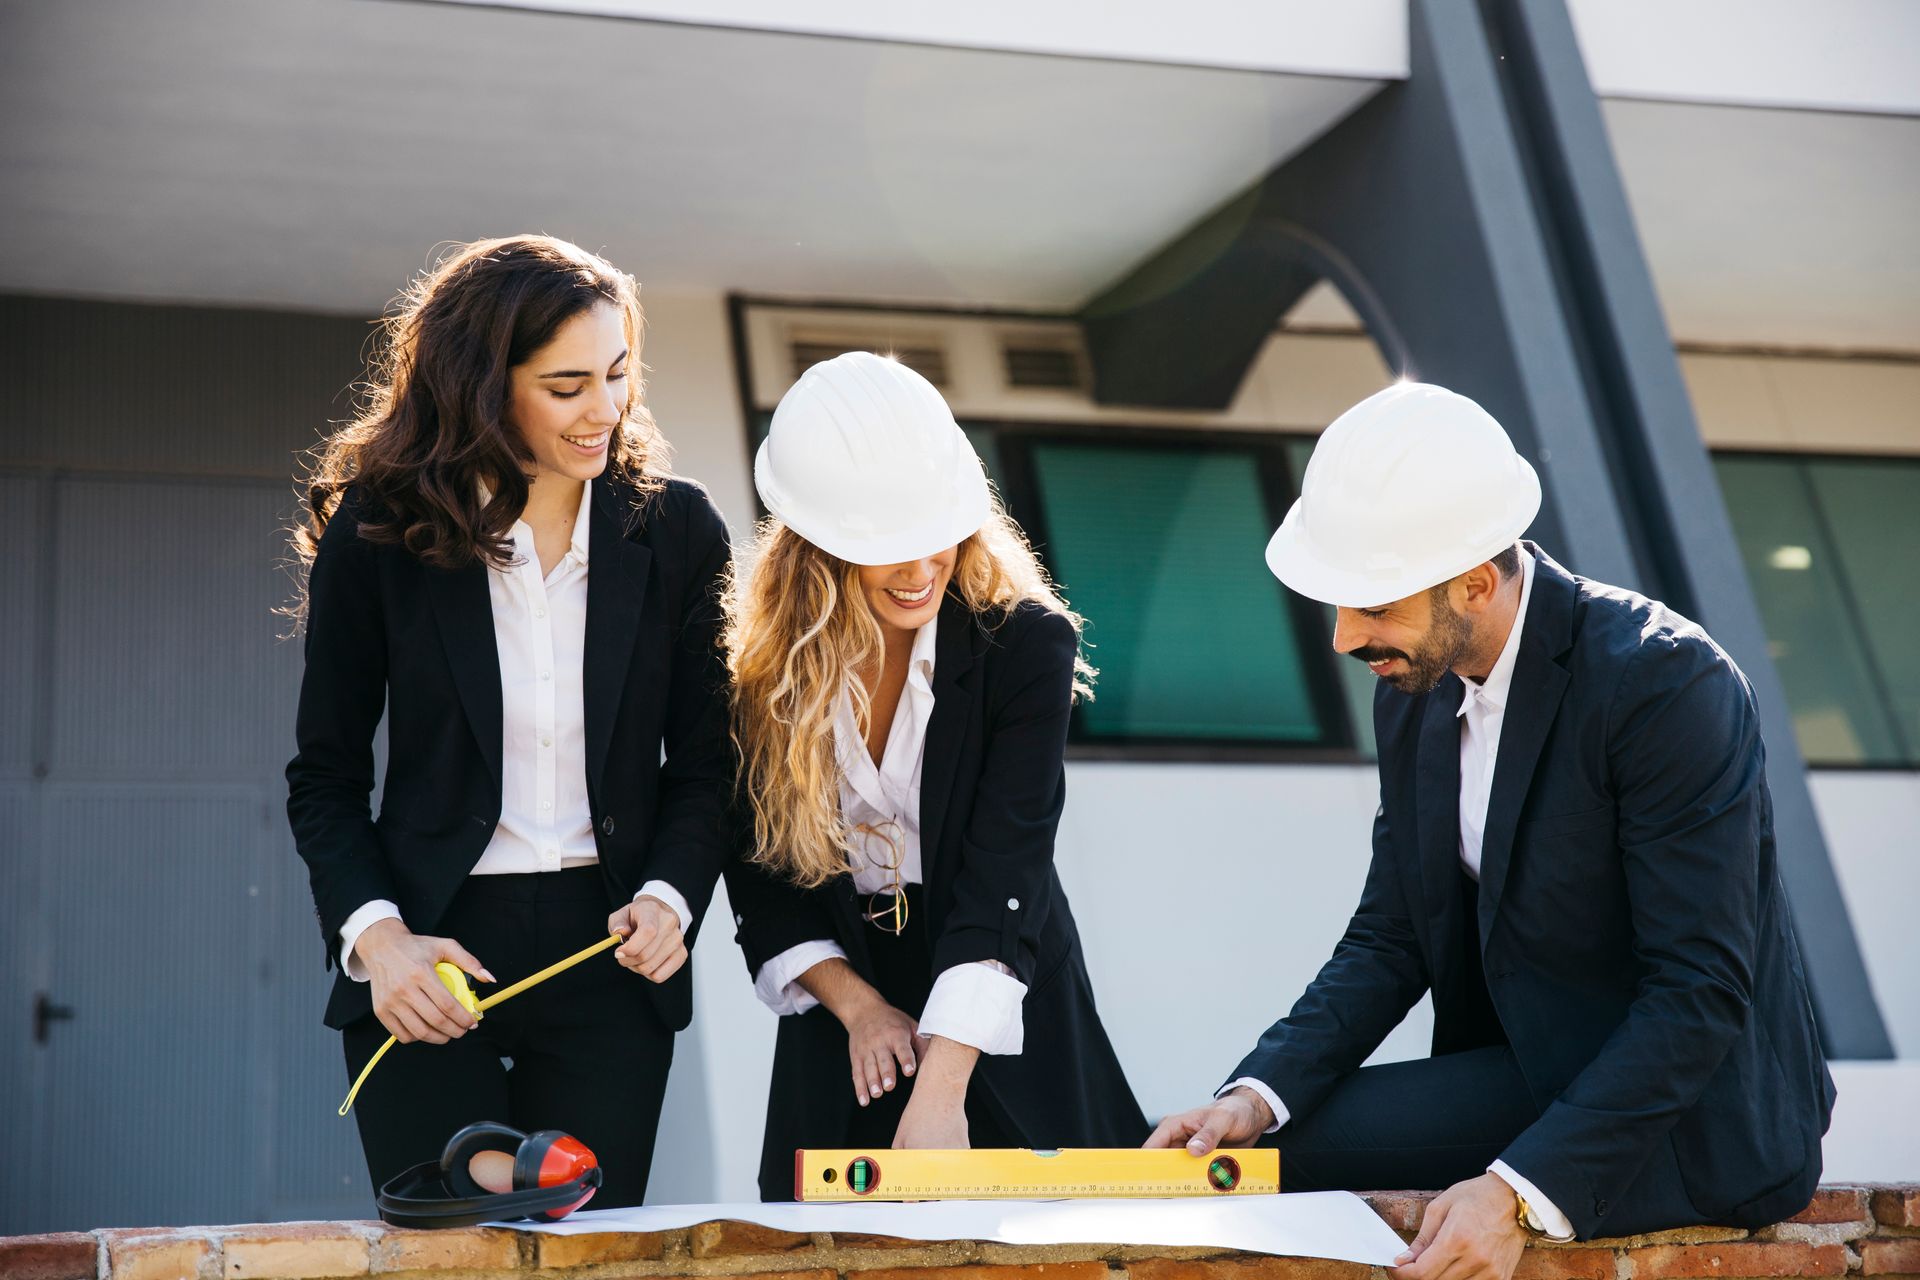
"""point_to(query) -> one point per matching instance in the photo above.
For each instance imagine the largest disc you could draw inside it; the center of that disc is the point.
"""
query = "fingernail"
(862, 1097)
(1403, 1259)
(876, 1091)
(888, 1082)
(907, 1070)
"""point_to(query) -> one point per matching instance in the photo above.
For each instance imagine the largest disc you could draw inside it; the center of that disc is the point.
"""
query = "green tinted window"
(1822, 540)
(1160, 548)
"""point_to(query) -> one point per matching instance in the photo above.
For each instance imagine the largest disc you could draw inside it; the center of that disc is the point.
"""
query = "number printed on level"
(1017, 1174)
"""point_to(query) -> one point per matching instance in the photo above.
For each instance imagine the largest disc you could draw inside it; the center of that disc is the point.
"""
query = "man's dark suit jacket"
(385, 630)
(994, 782)
(1633, 931)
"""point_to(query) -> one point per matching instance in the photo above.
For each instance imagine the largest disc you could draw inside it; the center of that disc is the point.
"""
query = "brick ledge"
(1864, 1231)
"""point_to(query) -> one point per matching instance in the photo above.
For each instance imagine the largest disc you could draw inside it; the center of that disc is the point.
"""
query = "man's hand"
(1232, 1121)
(654, 947)
(1470, 1232)
(878, 1036)
(408, 996)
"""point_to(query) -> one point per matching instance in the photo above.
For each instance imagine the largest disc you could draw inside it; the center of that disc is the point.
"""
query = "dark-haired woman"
(496, 557)
(903, 673)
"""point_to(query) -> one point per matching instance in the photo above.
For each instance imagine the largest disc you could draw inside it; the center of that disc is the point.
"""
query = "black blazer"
(993, 781)
(384, 629)
(1633, 931)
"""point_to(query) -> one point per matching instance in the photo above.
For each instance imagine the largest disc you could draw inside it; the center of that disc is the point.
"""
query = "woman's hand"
(879, 1038)
(408, 996)
(936, 1114)
(654, 946)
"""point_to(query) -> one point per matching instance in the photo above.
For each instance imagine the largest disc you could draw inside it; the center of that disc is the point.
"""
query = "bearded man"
(1574, 854)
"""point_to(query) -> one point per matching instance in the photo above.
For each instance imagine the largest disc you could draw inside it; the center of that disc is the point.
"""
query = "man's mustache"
(1377, 653)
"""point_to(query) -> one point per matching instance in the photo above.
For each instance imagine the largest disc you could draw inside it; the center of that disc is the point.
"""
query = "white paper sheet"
(1320, 1224)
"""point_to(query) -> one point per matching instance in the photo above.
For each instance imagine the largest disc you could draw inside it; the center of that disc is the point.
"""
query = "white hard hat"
(1412, 486)
(865, 461)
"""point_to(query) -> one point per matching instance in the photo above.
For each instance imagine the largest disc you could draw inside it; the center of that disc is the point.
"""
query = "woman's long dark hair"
(432, 426)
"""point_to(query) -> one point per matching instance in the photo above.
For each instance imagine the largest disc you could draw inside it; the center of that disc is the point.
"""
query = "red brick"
(1897, 1206)
(66, 1255)
(730, 1239)
(1035, 1271)
(1565, 1264)
(157, 1255)
(846, 1240)
(1890, 1257)
(1246, 1268)
(825, 1273)
(1692, 1261)
(1834, 1204)
(1402, 1210)
(447, 1249)
(601, 1246)
(296, 1251)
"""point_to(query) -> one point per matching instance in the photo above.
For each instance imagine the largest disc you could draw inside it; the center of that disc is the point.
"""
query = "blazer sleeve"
(1376, 973)
(1002, 887)
(772, 915)
(1685, 753)
(689, 844)
(342, 694)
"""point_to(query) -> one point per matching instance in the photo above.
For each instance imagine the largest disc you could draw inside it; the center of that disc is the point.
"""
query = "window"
(1157, 539)
(1832, 548)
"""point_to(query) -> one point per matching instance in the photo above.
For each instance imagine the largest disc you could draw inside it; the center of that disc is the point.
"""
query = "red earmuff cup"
(568, 1158)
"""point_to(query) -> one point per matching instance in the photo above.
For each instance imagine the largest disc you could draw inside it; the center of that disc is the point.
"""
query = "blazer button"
(1600, 1207)
(1013, 904)
(606, 825)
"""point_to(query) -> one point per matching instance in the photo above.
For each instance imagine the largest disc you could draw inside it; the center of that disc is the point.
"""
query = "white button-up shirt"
(1482, 712)
(973, 1004)
(546, 821)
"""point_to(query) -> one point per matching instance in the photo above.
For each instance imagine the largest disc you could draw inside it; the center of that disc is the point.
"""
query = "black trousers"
(1420, 1125)
(583, 1052)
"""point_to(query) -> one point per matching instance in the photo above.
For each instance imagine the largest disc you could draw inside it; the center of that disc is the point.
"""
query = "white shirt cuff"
(373, 912)
(1280, 1113)
(1544, 1215)
(671, 896)
(977, 1005)
(778, 982)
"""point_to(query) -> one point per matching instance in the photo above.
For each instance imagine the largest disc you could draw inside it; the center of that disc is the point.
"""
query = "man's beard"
(1446, 640)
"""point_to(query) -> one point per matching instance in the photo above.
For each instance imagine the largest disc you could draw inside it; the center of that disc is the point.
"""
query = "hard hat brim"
(957, 515)
(1293, 559)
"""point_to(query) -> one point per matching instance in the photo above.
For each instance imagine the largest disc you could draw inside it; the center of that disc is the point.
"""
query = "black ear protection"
(553, 1174)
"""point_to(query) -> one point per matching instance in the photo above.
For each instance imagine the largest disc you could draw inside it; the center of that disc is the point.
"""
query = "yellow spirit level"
(1011, 1174)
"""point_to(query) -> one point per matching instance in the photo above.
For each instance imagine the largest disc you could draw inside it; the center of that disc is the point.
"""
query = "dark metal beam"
(1672, 503)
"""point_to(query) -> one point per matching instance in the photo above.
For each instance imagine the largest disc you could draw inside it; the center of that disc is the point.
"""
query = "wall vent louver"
(1047, 368)
(929, 362)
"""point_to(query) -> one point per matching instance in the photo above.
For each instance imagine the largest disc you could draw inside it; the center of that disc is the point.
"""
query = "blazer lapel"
(1539, 683)
(616, 588)
(1437, 810)
(954, 652)
(463, 609)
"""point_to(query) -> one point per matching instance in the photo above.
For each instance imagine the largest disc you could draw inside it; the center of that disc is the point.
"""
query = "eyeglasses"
(886, 908)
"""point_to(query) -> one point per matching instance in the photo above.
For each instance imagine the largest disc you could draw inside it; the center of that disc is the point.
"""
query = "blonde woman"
(903, 674)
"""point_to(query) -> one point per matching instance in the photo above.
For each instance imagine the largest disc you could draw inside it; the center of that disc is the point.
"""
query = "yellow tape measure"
(1009, 1174)
(456, 982)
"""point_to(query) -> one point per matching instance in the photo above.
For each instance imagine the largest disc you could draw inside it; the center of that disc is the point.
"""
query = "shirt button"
(539, 613)
(1013, 904)
(546, 804)
(546, 739)
(546, 675)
